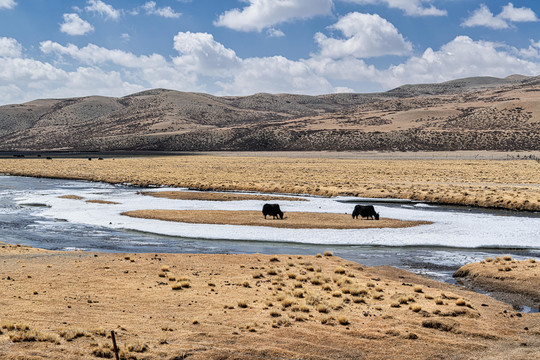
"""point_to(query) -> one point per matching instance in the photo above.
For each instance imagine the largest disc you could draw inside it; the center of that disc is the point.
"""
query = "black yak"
(272, 209)
(367, 211)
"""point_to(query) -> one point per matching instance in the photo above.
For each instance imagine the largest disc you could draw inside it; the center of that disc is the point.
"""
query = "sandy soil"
(507, 279)
(63, 305)
(292, 220)
(511, 184)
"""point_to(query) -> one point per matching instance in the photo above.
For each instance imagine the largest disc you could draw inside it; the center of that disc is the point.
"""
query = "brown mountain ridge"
(480, 113)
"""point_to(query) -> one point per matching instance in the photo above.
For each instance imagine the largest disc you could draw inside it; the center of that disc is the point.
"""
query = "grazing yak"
(272, 209)
(367, 211)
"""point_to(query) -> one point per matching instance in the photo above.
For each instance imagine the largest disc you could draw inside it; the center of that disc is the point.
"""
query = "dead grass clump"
(328, 320)
(291, 275)
(287, 302)
(258, 275)
(323, 309)
(242, 304)
(274, 259)
(461, 302)
(418, 289)
(71, 335)
(138, 348)
(415, 308)
(165, 268)
(15, 326)
(32, 335)
(438, 324)
(328, 253)
(340, 270)
(271, 271)
(342, 320)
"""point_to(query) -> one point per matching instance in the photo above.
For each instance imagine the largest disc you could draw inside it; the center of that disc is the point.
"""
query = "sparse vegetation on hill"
(466, 114)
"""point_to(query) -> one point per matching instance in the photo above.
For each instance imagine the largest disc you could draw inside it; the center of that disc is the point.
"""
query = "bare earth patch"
(63, 305)
(292, 220)
(216, 196)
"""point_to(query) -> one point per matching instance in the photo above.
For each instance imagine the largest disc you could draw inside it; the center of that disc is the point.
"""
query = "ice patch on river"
(449, 228)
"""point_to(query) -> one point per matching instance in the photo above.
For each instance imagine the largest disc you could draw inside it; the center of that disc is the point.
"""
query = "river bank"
(244, 306)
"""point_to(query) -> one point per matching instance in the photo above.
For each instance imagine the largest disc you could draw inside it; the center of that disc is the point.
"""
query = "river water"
(31, 213)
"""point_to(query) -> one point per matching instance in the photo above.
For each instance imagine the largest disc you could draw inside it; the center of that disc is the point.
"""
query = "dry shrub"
(328, 320)
(258, 275)
(287, 302)
(342, 320)
(415, 308)
(438, 324)
(73, 334)
(418, 289)
(242, 304)
(246, 284)
(274, 259)
(328, 253)
(339, 270)
(271, 271)
(323, 309)
(15, 326)
(291, 275)
(165, 268)
(32, 335)
(461, 302)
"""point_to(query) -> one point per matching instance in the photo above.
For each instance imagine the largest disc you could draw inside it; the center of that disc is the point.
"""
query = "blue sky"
(55, 48)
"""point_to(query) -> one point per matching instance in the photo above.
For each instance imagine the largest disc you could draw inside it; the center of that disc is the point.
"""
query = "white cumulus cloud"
(409, 7)
(93, 54)
(366, 36)
(461, 57)
(484, 17)
(261, 14)
(199, 52)
(7, 4)
(74, 25)
(103, 9)
(522, 14)
(166, 12)
(10, 47)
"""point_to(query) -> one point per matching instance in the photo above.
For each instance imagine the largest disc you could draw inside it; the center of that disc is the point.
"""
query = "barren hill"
(481, 113)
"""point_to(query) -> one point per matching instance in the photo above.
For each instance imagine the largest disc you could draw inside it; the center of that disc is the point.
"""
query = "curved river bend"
(31, 213)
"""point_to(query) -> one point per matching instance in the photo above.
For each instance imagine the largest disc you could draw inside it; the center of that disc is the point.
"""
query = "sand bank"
(292, 220)
(60, 305)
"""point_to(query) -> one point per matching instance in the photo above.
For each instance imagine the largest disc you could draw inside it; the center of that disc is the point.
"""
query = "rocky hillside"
(469, 114)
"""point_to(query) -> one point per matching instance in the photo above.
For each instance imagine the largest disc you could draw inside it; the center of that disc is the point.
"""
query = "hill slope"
(467, 114)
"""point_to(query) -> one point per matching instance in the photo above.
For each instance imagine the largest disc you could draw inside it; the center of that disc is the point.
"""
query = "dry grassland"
(484, 183)
(211, 196)
(506, 277)
(292, 220)
(63, 305)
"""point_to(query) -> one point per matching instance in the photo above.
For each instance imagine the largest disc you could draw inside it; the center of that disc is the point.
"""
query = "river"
(31, 213)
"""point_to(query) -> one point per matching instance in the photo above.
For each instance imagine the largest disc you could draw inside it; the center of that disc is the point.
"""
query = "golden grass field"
(512, 184)
(63, 305)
